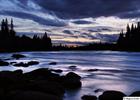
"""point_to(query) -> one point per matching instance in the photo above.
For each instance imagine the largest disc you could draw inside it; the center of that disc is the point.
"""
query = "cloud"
(92, 8)
(68, 32)
(71, 21)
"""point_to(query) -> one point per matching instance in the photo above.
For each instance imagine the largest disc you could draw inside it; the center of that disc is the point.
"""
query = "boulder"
(3, 63)
(10, 80)
(89, 97)
(42, 74)
(33, 63)
(112, 95)
(52, 63)
(72, 81)
(137, 93)
(32, 95)
(45, 87)
(40, 84)
(18, 56)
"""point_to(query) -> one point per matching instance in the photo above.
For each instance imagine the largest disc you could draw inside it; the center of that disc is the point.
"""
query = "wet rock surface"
(39, 84)
(89, 97)
(72, 81)
(3, 63)
(112, 95)
(135, 94)
(22, 64)
(53, 63)
(18, 56)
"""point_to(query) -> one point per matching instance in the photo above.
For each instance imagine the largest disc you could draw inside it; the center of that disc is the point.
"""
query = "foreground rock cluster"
(40, 84)
(110, 95)
(45, 84)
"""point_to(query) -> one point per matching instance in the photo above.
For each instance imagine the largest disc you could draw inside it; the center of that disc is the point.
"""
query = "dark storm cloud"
(92, 8)
(35, 18)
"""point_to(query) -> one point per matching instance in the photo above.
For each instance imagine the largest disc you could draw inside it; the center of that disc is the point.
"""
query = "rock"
(13, 63)
(32, 95)
(40, 84)
(10, 80)
(3, 63)
(89, 97)
(53, 63)
(73, 76)
(137, 93)
(43, 74)
(18, 72)
(2, 95)
(45, 86)
(21, 64)
(33, 63)
(72, 81)
(92, 70)
(18, 56)
(73, 67)
(57, 70)
(112, 95)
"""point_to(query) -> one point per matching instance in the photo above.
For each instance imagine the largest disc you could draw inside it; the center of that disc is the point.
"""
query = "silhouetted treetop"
(9, 41)
(130, 39)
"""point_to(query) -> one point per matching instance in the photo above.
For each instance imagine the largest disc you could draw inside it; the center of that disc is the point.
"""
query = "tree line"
(9, 41)
(130, 40)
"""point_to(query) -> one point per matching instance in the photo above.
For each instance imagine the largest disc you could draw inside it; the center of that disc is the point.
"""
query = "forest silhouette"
(130, 40)
(9, 41)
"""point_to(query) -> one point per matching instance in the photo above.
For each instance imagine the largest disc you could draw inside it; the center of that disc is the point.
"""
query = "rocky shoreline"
(40, 84)
(45, 84)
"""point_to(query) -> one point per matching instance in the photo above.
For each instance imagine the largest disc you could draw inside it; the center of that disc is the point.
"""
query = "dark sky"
(92, 8)
(71, 20)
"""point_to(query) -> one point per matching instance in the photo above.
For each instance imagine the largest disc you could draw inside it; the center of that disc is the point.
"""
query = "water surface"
(117, 70)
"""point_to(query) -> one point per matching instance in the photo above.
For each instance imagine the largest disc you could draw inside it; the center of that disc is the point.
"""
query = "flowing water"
(116, 70)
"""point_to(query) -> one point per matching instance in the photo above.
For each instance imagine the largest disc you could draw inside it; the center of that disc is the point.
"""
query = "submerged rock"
(53, 63)
(73, 67)
(112, 95)
(92, 70)
(3, 63)
(21, 64)
(18, 56)
(89, 97)
(13, 63)
(33, 63)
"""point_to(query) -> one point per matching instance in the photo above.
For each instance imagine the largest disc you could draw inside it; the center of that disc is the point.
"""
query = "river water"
(116, 70)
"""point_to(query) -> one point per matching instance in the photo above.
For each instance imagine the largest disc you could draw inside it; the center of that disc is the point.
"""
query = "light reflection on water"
(117, 70)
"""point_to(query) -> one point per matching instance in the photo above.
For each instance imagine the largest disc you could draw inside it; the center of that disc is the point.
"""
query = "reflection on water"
(117, 70)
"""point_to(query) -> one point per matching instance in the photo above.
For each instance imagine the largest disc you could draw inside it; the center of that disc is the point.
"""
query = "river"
(116, 70)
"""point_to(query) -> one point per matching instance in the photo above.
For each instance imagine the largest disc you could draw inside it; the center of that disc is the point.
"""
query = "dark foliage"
(131, 39)
(9, 41)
